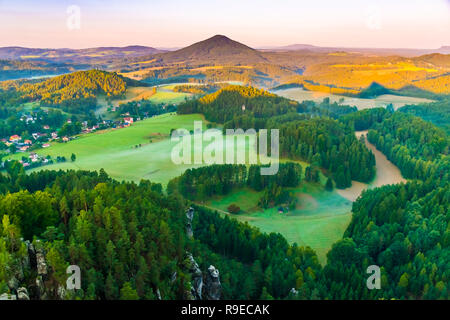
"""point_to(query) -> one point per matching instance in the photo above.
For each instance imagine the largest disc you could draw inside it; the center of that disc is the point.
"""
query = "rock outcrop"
(212, 288)
(41, 263)
(22, 294)
(202, 286)
(196, 276)
(190, 217)
(7, 296)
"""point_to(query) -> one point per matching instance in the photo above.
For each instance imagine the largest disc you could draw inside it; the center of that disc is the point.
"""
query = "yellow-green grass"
(318, 221)
(164, 95)
(114, 150)
(300, 95)
(169, 97)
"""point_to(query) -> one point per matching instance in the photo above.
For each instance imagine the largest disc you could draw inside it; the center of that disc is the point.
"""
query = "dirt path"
(387, 173)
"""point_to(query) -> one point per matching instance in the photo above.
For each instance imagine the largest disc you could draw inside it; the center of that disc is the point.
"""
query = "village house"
(46, 127)
(128, 121)
(29, 142)
(33, 157)
(15, 138)
(45, 145)
(65, 139)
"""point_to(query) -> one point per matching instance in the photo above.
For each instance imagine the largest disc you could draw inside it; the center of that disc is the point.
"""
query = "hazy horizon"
(77, 24)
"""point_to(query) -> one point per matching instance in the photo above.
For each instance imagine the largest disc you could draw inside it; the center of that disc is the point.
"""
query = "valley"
(300, 95)
(143, 151)
(88, 175)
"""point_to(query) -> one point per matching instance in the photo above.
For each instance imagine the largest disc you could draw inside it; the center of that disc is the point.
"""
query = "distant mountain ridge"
(379, 51)
(87, 55)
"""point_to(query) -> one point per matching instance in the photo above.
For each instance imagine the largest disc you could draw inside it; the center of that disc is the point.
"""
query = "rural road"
(386, 173)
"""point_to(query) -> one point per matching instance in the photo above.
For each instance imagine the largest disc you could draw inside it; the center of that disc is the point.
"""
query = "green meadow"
(143, 151)
(165, 94)
(116, 151)
(318, 221)
(300, 95)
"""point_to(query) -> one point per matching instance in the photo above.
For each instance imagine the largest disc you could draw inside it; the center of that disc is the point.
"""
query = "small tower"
(243, 107)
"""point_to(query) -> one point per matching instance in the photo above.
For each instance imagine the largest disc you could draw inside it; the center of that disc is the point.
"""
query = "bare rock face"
(13, 284)
(294, 292)
(190, 216)
(40, 289)
(197, 278)
(158, 294)
(213, 288)
(22, 294)
(61, 292)
(7, 296)
(41, 263)
(31, 255)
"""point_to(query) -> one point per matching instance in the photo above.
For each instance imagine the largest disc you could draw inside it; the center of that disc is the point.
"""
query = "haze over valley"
(140, 161)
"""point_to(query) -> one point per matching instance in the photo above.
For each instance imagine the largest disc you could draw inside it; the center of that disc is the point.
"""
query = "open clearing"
(319, 220)
(116, 152)
(163, 95)
(300, 95)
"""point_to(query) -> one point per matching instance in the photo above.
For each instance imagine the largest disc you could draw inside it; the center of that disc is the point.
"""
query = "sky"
(257, 23)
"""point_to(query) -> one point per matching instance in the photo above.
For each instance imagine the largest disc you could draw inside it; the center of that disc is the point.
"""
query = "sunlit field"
(300, 95)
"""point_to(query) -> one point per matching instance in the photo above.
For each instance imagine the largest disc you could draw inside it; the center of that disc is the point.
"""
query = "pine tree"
(329, 184)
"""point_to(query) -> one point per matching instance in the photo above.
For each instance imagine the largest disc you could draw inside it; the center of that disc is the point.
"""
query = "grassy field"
(319, 220)
(164, 94)
(118, 151)
(300, 94)
(114, 150)
(170, 97)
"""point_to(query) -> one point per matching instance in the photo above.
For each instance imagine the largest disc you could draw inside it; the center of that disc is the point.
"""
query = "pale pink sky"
(175, 23)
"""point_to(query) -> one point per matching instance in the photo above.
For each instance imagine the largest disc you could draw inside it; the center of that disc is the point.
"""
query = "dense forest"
(404, 230)
(75, 91)
(202, 183)
(328, 144)
(233, 101)
(130, 243)
(437, 112)
(311, 135)
(130, 239)
(265, 266)
(417, 147)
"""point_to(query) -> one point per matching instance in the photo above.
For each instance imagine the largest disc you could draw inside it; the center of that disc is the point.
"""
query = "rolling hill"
(220, 58)
(216, 50)
(89, 55)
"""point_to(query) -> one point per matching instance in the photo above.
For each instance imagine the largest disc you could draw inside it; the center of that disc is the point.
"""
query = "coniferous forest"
(136, 241)
(307, 158)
